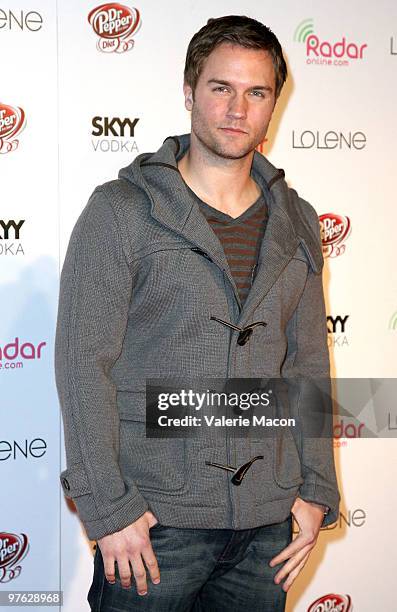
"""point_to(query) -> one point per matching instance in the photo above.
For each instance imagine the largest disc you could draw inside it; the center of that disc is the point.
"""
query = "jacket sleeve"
(307, 362)
(95, 289)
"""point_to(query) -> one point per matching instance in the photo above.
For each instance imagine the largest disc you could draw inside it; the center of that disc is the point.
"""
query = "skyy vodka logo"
(340, 52)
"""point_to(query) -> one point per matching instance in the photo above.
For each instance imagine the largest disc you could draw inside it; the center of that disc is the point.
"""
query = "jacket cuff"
(120, 518)
(100, 516)
(319, 494)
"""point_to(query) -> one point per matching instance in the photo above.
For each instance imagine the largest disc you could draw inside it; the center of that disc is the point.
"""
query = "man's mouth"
(232, 130)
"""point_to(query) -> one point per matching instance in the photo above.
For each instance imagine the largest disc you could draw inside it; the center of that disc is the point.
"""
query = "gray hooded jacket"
(142, 277)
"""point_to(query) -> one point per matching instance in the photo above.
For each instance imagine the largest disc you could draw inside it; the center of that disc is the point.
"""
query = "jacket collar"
(171, 205)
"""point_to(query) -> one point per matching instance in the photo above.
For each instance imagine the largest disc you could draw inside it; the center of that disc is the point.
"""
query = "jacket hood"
(158, 176)
(173, 149)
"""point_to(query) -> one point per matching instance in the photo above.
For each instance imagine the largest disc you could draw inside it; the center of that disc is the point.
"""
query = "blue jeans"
(202, 570)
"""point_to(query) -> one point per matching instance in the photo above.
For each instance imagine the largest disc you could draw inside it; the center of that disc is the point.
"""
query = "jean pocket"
(94, 595)
(154, 527)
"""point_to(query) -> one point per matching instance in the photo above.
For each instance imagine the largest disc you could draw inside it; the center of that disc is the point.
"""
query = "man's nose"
(237, 107)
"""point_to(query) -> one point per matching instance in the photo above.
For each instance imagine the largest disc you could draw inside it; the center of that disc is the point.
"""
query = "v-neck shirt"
(241, 238)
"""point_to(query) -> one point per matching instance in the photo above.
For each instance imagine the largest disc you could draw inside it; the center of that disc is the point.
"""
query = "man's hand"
(309, 517)
(131, 544)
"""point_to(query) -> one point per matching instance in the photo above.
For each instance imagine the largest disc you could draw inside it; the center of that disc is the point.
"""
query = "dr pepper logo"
(12, 122)
(334, 231)
(331, 603)
(13, 548)
(115, 24)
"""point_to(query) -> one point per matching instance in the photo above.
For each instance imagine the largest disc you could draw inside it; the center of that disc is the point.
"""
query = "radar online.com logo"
(318, 51)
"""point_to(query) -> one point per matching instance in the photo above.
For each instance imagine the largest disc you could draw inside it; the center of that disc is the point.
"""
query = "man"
(198, 261)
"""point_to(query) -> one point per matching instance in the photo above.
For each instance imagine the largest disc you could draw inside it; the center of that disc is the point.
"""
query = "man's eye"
(258, 94)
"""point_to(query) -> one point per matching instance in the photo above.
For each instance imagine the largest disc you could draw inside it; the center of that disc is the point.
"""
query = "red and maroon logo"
(12, 122)
(331, 603)
(335, 229)
(326, 52)
(13, 548)
(115, 24)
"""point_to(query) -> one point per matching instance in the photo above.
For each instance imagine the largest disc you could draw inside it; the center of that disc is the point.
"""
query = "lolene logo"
(11, 449)
(347, 519)
(12, 122)
(335, 230)
(13, 548)
(331, 603)
(309, 139)
(115, 24)
(31, 20)
(327, 53)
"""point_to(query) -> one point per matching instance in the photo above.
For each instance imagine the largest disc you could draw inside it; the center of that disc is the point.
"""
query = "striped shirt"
(241, 238)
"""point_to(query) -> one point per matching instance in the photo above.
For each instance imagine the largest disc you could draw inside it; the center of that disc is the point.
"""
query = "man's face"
(233, 101)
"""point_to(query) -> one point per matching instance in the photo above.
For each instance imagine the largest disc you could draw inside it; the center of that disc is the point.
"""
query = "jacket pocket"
(153, 464)
(286, 461)
(131, 405)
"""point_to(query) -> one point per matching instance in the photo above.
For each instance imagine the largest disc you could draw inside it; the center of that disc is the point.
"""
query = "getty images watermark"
(241, 407)
(265, 407)
(198, 401)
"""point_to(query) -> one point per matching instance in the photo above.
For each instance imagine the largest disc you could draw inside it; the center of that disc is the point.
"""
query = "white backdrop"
(334, 133)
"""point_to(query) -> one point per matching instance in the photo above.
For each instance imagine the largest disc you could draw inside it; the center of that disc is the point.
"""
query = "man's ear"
(188, 93)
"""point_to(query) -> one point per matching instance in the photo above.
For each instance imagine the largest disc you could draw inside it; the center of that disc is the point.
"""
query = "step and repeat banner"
(85, 87)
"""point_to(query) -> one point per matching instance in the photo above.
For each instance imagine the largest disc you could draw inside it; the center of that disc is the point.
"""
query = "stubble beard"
(209, 141)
